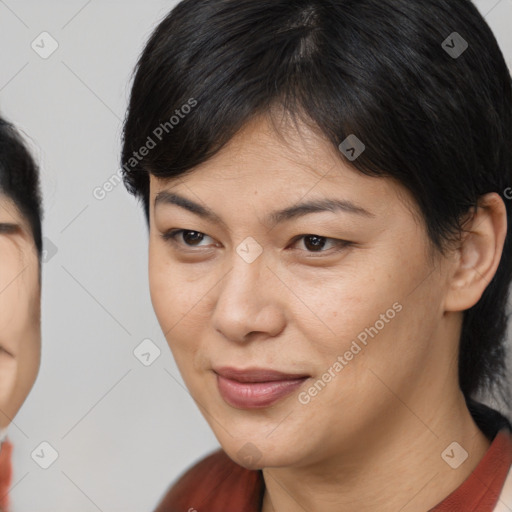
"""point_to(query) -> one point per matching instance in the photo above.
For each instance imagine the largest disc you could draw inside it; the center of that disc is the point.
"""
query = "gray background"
(123, 431)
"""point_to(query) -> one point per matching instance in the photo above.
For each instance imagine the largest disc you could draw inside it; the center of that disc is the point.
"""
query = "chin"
(257, 453)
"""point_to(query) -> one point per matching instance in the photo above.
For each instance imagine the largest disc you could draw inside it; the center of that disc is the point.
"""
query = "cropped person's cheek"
(19, 322)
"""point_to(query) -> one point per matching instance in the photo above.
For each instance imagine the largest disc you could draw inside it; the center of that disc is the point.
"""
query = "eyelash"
(170, 236)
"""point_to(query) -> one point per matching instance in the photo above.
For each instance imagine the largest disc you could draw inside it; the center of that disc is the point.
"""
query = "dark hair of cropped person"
(441, 126)
(19, 180)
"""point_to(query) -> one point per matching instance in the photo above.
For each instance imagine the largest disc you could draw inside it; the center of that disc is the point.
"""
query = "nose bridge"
(249, 262)
(242, 284)
(246, 302)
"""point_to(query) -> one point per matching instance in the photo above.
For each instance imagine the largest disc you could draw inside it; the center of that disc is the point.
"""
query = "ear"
(479, 253)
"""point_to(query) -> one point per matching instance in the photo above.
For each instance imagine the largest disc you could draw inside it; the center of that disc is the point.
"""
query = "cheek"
(177, 298)
(383, 338)
(8, 369)
(369, 311)
(19, 325)
(334, 308)
(19, 296)
(177, 304)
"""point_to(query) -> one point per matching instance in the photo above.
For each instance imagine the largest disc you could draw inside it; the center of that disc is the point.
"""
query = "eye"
(315, 243)
(190, 238)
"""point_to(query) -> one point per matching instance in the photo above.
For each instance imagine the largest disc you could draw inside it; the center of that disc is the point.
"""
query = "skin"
(20, 311)
(396, 406)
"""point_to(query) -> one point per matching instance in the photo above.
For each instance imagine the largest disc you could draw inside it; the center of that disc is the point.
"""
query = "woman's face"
(20, 334)
(356, 309)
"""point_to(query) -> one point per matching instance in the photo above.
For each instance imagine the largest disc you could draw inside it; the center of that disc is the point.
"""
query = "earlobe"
(478, 254)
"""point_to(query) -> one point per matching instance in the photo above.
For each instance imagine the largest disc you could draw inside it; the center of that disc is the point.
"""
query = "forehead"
(262, 152)
(9, 211)
(285, 163)
(271, 147)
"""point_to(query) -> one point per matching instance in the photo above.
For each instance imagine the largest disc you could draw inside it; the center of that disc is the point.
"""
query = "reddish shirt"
(5, 474)
(217, 484)
(481, 490)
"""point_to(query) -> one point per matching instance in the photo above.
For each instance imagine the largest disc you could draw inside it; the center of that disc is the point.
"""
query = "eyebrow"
(8, 227)
(275, 217)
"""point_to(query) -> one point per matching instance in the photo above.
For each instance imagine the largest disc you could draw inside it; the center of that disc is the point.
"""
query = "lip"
(256, 387)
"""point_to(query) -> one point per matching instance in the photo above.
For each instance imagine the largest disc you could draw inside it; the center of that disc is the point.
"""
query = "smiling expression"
(276, 254)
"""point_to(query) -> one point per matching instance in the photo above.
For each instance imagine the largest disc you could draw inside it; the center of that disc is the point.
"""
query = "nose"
(250, 301)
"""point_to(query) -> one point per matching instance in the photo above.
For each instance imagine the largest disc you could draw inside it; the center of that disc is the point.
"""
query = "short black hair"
(19, 179)
(423, 84)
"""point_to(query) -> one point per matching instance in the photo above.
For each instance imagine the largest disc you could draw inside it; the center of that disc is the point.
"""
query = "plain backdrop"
(115, 431)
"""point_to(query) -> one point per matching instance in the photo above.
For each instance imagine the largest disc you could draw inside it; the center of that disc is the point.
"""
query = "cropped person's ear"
(479, 253)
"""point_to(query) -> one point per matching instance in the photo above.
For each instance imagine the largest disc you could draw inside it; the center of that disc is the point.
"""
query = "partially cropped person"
(20, 286)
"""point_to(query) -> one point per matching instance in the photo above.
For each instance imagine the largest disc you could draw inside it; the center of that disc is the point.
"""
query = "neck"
(397, 467)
